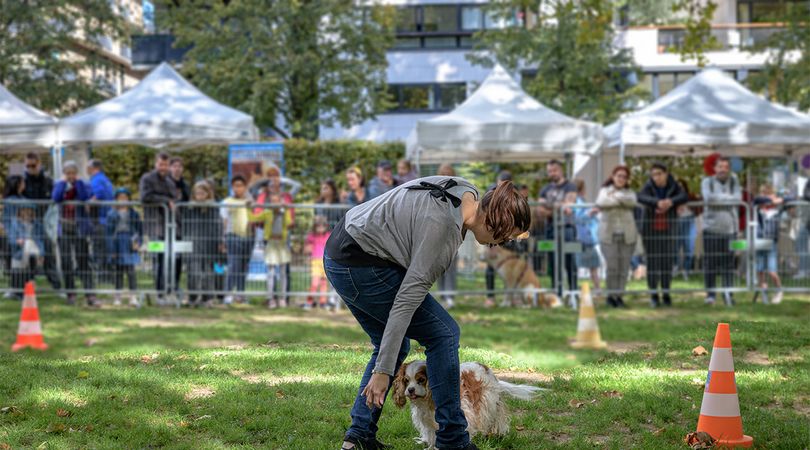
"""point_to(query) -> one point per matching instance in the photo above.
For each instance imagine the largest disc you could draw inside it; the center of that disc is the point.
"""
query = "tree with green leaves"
(47, 48)
(578, 70)
(786, 75)
(294, 65)
(698, 38)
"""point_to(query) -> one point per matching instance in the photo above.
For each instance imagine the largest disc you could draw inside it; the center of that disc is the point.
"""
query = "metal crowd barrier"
(206, 252)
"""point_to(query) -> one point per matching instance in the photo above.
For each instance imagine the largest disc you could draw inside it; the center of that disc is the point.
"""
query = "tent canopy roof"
(500, 122)
(22, 126)
(710, 112)
(163, 109)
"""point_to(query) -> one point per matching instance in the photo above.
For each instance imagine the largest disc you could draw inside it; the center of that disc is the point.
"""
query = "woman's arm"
(607, 198)
(431, 253)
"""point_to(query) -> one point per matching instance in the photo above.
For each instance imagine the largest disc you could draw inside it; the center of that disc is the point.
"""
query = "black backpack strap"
(438, 191)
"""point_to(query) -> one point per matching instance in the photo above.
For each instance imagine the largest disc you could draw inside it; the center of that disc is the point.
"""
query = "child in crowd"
(315, 244)
(238, 241)
(587, 226)
(769, 207)
(276, 220)
(124, 233)
(27, 248)
(202, 226)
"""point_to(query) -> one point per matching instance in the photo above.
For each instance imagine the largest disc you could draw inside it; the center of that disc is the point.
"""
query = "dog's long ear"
(398, 389)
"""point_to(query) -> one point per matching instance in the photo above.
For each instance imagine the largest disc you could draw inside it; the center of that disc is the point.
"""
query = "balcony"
(731, 37)
(656, 47)
(152, 49)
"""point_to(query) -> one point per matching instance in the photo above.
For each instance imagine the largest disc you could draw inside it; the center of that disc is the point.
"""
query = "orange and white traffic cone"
(588, 335)
(720, 410)
(30, 332)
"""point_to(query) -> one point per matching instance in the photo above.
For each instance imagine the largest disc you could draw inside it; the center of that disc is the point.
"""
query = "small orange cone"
(588, 335)
(720, 410)
(30, 332)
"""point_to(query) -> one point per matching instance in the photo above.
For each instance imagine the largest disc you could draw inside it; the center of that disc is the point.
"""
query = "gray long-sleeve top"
(721, 219)
(416, 231)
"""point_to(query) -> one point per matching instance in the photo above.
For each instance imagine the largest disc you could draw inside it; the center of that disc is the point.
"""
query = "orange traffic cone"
(588, 335)
(30, 332)
(720, 410)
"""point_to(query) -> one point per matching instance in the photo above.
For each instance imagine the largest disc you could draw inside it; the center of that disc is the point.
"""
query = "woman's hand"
(375, 389)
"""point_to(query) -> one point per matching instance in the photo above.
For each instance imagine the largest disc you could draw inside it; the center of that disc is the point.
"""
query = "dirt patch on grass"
(315, 318)
(755, 357)
(230, 344)
(275, 380)
(802, 406)
(169, 322)
(560, 438)
(200, 392)
(620, 347)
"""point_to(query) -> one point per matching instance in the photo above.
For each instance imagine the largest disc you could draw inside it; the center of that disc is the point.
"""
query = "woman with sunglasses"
(383, 257)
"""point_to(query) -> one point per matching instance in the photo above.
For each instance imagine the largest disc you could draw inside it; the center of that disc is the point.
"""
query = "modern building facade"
(429, 73)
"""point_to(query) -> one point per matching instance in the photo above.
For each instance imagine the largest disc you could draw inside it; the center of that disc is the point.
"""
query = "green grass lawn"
(247, 377)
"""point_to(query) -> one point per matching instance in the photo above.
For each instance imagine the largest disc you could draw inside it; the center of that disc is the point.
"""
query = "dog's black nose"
(411, 390)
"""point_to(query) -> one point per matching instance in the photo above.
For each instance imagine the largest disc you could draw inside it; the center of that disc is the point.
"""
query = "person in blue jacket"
(75, 228)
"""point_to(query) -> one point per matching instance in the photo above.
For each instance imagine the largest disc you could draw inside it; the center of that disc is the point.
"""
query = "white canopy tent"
(162, 110)
(710, 112)
(23, 127)
(501, 123)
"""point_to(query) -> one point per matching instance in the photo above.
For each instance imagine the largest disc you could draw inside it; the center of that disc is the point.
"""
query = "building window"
(444, 26)
(439, 19)
(406, 20)
(471, 18)
(436, 97)
(758, 11)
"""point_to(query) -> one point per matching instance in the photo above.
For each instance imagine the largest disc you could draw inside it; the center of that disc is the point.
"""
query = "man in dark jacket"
(39, 186)
(158, 195)
(660, 197)
(183, 196)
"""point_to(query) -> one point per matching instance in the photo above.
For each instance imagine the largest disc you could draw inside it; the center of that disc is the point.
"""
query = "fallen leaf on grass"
(83, 374)
(149, 359)
(88, 428)
(183, 424)
(4, 446)
(699, 440)
(612, 394)
(699, 351)
(658, 432)
(279, 394)
(574, 403)
(63, 413)
(91, 342)
(56, 428)
(10, 410)
(520, 427)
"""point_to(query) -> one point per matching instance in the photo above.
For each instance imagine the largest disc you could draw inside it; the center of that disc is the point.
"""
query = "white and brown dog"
(517, 274)
(482, 399)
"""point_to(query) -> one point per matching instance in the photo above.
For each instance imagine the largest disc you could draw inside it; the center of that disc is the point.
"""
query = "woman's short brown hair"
(505, 210)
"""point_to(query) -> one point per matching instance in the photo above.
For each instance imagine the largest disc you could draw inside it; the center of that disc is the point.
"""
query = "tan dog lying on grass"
(518, 274)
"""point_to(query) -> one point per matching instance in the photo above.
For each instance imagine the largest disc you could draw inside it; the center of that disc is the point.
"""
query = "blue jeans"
(239, 251)
(369, 294)
(686, 236)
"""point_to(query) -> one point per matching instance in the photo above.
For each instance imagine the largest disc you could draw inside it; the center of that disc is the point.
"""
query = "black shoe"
(611, 301)
(654, 301)
(620, 303)
(372, 444)
(667, 300)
